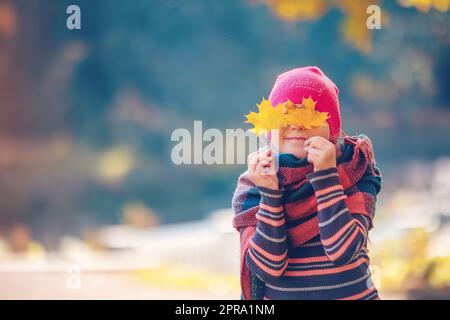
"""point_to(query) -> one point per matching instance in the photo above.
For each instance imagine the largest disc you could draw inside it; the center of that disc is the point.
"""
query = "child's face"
(291, 139)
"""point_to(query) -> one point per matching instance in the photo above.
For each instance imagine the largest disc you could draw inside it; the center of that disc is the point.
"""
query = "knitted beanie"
(300, 83)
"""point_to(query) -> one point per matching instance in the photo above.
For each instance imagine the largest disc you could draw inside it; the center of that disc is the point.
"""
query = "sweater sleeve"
(267, 255)
(343, 233)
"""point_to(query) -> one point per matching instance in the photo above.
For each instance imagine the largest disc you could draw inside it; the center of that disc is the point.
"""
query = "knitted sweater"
(334, 264)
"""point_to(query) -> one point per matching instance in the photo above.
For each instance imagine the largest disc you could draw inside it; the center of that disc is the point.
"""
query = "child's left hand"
(321, 153)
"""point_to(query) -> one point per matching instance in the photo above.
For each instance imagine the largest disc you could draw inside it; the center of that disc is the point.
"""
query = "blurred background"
(91, 205)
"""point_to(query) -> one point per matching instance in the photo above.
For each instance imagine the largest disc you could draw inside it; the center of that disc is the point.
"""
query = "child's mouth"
(295, 138)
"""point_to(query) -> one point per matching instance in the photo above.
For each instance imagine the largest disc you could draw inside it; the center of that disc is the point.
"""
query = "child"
(304, 228)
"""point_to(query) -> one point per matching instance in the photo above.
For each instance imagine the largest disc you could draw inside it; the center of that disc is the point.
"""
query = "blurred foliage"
(188, 278)
(407, 263)
(426, 5)
(353, 26)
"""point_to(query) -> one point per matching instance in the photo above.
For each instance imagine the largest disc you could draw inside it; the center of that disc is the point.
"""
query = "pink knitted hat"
(309, 81)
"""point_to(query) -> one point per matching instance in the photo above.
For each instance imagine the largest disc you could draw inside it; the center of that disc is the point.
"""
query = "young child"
(304, 228)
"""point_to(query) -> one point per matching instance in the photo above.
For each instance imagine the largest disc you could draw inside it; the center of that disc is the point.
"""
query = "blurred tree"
(353, 27)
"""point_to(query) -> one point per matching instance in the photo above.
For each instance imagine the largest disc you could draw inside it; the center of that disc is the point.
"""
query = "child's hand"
(321, 153)
(261, 169)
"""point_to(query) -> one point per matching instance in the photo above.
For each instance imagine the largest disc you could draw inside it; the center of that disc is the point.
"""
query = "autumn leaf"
(267, 117)
(306, 116)
(289, 106)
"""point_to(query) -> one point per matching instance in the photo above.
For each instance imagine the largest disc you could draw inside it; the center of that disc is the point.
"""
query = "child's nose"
(294, 127)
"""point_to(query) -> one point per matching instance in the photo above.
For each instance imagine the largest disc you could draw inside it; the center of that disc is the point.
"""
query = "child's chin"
(298, 153)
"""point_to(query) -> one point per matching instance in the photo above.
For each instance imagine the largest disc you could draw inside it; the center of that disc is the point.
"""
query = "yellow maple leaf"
(289, 105)
(267, 117)
(309, 103)
(306, 116)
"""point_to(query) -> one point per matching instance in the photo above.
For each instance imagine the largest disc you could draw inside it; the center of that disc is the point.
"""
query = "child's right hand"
(261, 169)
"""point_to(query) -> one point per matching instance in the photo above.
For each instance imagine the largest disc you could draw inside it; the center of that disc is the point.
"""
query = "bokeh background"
(91, 205)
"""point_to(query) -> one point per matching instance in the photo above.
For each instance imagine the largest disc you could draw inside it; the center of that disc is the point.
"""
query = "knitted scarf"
(354, 155)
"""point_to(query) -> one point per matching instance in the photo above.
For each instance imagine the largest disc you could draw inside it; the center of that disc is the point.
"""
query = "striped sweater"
(332, 265)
